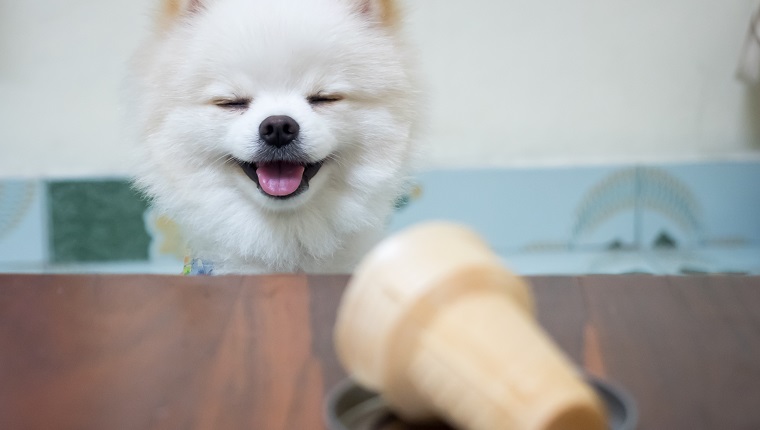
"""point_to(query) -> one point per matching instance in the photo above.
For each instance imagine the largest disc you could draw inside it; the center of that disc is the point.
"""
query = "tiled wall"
(75, 225)
(612, 219)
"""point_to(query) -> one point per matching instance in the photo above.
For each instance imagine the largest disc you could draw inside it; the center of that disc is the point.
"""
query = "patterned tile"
(167, 246)
(723, 208)
(96, 221)
(708, 219)
(642, 192)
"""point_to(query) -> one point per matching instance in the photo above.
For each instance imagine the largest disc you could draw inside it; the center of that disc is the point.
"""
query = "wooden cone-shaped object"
(434, 322)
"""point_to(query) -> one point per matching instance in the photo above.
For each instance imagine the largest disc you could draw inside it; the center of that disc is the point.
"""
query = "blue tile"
(519, 209)
(666, 219)
(23, 229)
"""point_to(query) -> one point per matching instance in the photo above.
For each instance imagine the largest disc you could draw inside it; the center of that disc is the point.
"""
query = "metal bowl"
(351, 407)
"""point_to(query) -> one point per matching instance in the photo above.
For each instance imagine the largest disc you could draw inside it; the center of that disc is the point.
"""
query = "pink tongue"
(279, 178)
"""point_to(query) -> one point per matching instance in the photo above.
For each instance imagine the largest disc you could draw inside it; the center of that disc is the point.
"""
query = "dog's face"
(258, 108)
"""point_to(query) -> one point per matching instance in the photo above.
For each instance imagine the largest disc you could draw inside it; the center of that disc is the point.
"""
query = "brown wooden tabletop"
(144, 352)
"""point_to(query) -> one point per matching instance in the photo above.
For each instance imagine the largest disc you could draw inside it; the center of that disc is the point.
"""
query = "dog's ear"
(173, 9)
(384, 12)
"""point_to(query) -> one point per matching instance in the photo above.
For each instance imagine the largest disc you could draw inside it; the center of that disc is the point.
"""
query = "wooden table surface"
(165, 352)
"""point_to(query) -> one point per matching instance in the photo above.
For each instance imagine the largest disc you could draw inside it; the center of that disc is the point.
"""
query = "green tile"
(96, 221)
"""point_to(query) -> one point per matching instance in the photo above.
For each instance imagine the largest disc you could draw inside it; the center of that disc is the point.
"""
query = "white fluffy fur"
(277, 52)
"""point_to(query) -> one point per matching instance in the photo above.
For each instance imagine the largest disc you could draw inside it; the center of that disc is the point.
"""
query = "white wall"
(585, 80)
(510, 81)
(61, 67)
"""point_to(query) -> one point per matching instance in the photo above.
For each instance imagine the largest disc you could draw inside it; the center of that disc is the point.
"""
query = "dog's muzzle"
(280, 169)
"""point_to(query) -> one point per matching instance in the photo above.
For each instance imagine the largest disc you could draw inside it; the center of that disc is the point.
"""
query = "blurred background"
(602, 136)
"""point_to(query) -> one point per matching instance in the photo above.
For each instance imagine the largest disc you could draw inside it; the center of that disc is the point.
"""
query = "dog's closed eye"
(236, 104)
(320, 99)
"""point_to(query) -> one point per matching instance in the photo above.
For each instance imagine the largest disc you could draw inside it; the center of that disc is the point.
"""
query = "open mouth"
(281, 179)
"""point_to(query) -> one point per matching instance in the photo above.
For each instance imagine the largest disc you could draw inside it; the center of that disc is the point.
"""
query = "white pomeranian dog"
(276, 133)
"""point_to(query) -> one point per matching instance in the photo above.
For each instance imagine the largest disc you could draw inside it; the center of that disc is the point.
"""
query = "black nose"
(279, 130)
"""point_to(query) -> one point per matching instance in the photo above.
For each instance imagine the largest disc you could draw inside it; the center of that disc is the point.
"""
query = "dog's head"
(273, 105)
